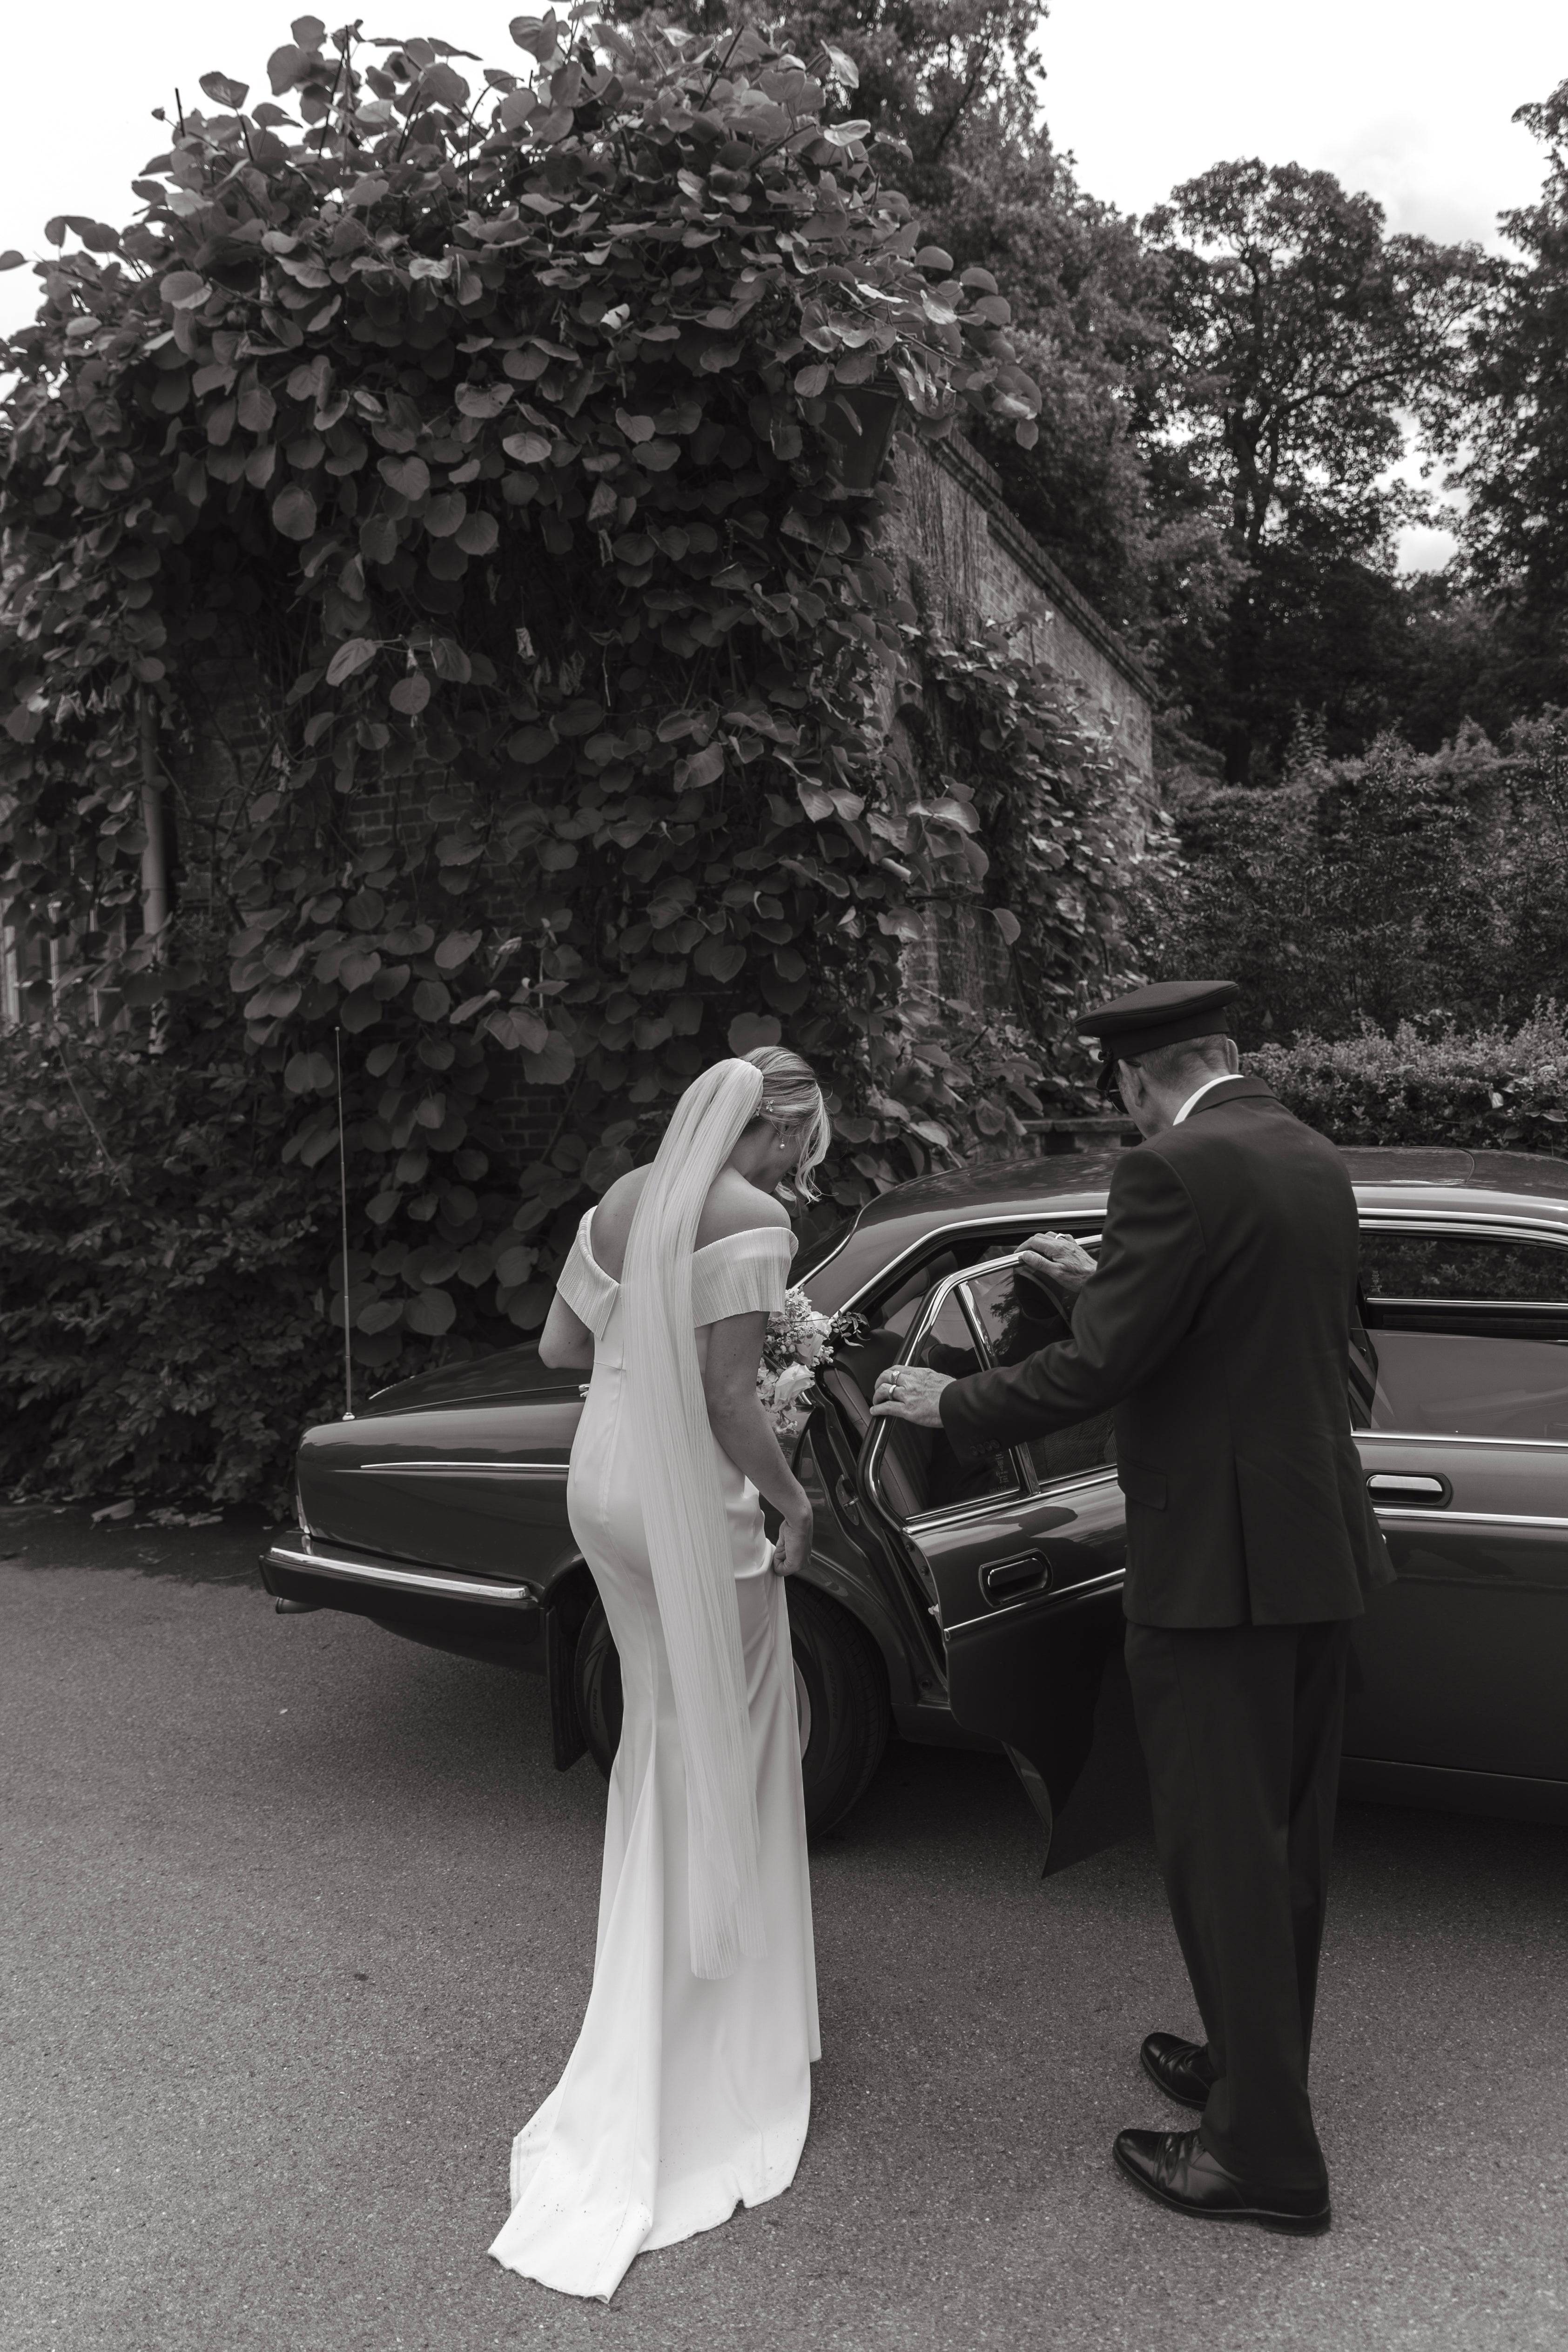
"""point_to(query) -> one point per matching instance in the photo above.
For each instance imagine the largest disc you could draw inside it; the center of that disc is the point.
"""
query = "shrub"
(1491, 1090)
(1389, 887)
(161, 1318)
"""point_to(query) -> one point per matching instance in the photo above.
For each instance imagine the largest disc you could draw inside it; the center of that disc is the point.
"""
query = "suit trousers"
(1241, 1727)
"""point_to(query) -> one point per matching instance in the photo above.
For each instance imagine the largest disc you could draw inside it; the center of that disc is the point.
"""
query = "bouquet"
(798, 1343)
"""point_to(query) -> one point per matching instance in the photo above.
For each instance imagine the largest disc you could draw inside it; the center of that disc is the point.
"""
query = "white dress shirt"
(1193, 1099)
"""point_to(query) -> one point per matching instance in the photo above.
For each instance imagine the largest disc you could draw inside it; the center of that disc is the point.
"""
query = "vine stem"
(110, 1160)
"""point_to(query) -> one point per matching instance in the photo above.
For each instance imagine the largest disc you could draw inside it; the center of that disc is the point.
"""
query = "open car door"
(1020, 1554)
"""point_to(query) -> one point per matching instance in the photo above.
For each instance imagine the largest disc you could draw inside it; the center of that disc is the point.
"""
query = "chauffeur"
(1217, 1322)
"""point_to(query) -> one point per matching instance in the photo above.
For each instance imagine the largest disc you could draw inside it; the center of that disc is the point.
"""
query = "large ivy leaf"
(431, 1312)
(294, 512)
(351, 657)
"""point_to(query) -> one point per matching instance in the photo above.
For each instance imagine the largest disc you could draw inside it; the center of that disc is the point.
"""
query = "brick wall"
(967, 562)
(974, 560)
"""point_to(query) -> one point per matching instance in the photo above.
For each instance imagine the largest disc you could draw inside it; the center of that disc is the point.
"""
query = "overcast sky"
(1408, 98)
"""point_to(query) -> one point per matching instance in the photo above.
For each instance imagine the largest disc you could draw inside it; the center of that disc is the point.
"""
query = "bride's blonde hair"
(791, 1096)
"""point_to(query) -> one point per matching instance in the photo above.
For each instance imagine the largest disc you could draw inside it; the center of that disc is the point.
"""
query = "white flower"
(791, 1385)
(813, 1339)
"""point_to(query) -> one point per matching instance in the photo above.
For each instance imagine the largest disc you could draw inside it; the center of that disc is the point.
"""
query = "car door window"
(1017, 1315)
(920, 1464)
(994, 1315)
(1464, 1385)
(1402, 1267)
(1471, 1334)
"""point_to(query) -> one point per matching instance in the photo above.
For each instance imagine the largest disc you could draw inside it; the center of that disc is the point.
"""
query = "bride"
(689, 2088)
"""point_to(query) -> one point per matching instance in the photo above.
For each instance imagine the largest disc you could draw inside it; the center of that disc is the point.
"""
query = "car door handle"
(1419, 1489)
(1010, 1580)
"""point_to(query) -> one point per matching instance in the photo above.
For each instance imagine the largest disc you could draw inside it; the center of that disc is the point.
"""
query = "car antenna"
(344, 1206)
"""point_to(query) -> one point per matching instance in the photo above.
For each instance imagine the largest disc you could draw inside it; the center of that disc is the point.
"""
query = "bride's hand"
(792, 1548)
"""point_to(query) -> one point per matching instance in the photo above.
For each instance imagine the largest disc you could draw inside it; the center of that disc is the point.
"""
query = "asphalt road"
(298, 1926)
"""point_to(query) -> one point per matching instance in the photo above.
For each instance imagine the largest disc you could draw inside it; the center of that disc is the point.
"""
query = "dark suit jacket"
(1217, 1322)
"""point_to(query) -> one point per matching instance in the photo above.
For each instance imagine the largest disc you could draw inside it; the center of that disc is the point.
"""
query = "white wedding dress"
(686, 2095)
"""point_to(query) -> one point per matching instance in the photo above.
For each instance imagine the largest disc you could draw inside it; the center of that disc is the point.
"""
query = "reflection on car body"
(976, 1603)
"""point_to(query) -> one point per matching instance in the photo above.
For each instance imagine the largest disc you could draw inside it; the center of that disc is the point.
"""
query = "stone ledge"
(958, 458)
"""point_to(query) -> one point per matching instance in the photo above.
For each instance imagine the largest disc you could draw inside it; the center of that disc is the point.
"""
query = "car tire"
(597, 1678)
(841, 1698)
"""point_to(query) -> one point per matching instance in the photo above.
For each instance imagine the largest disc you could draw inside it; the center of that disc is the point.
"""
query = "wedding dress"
(689, 2091)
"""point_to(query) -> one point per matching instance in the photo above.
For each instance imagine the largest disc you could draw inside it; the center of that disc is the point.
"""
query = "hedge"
(1491, 1090)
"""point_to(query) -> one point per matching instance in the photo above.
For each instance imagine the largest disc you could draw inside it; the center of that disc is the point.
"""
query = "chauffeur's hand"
(1057, 1257)
(909, 1392)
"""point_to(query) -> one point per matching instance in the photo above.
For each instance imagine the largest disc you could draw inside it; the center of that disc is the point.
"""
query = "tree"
(951, 90)
(1299, 332)
(1506, 419)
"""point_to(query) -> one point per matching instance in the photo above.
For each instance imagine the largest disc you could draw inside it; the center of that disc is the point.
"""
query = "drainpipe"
(154, 861)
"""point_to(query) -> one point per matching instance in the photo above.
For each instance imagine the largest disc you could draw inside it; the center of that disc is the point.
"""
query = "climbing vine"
(1066, 844)
(483, 439)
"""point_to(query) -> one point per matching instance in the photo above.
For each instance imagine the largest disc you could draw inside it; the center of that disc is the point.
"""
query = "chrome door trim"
(961, 1512)
(1453, 1437)
(1489, 1225)
(1111, 1580)
(1427, 1519)
(929, 1244)
(959, 1515)
(400, 1580)
(445, 1462)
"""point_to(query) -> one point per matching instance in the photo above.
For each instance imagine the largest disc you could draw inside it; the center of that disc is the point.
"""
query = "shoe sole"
(1287, 2225)
(1197, 2105)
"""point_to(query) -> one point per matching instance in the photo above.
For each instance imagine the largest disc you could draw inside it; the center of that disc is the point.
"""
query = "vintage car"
(976, 1605)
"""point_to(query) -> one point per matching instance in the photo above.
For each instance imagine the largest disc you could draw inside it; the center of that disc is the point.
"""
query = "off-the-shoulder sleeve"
(587, 1289)
(741, 1275)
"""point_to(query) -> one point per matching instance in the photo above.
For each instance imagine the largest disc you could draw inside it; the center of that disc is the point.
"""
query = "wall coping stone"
(959, 459)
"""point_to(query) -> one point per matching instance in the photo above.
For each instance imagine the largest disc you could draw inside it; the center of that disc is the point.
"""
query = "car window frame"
(1028, 1483)
(1480, 1228)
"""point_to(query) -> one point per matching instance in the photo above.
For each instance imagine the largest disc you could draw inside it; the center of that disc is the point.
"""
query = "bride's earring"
(785, 1144)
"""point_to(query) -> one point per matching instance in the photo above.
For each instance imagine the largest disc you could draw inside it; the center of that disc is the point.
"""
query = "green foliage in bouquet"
(493, 430)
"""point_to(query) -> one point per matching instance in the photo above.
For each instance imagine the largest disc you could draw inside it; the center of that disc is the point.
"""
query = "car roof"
(1415, 1179)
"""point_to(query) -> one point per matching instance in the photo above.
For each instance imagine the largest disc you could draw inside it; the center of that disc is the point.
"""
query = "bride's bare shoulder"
(612, 1223)
(734, 1206)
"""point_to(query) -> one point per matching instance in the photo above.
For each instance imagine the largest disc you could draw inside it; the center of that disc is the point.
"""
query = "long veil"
(683, 1513)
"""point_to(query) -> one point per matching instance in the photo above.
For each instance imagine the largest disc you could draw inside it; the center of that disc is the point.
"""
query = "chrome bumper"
(429, 1582)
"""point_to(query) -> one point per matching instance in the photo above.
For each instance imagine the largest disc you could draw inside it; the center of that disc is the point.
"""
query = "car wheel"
(840, 1696)
(841, 1699)
(598, 1677)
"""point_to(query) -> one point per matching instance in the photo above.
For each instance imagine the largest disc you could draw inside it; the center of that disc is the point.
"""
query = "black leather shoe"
(1178, 2170)
(1183, 2070)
